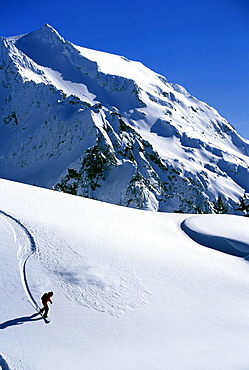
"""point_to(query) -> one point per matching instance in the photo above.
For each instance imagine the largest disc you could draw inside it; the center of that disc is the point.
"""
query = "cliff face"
(101, 126)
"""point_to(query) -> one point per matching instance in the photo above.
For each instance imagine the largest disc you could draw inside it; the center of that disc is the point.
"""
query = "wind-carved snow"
(218, 232)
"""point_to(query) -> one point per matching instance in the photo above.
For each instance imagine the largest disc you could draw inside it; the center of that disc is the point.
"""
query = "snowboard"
(46, 319)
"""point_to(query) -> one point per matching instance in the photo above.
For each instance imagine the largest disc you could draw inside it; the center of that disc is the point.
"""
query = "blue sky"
(200, 44)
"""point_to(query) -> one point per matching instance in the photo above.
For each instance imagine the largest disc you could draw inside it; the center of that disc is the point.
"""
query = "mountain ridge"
(101, 126)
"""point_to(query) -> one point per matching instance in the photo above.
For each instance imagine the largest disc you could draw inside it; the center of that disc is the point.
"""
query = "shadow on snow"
(20, 321)
(219, 243)
(3, 363)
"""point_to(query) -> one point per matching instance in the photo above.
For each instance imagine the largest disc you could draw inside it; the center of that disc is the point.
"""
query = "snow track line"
(3, 363)
(24, 259)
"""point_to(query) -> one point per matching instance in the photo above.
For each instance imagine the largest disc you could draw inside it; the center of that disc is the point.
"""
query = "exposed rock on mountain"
(101, 126)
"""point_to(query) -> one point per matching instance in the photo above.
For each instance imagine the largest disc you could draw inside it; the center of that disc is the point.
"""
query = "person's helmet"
(51, 294)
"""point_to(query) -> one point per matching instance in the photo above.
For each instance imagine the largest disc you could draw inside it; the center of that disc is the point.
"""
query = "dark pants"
(45, 309)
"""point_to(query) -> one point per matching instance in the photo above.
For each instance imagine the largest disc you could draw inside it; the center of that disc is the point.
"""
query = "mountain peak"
(97, 125)
(46, 35)
(47, 29)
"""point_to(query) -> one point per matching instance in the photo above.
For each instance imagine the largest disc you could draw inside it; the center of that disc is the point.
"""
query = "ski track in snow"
(106, 290)
(3, 364)
(27, 247)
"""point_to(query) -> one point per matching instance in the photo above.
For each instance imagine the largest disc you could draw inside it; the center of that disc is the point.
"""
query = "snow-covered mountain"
(131, 289)
(104, 127)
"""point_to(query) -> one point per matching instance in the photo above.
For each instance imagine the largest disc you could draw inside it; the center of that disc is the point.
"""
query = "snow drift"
(219, 233)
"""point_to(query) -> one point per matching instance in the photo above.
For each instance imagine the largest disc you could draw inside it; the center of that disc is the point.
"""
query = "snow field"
(131, 289)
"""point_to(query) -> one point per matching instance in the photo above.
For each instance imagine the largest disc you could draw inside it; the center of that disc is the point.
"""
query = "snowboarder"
(45, 299)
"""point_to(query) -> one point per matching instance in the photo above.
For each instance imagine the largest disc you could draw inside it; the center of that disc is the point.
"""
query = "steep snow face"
(131, 289)
(102, 126)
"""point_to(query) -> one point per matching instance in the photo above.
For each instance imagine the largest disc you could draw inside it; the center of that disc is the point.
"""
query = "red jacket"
(45, 299)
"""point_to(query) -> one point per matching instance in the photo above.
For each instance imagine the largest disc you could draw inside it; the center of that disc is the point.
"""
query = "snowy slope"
(102, 126)
(131, 289)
